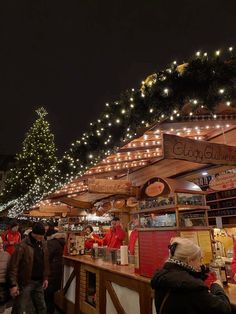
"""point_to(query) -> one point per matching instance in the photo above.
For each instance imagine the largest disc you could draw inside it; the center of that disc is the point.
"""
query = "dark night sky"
(73, 56)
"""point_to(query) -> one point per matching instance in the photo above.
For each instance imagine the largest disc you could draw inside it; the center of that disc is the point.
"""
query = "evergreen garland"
(202, 82)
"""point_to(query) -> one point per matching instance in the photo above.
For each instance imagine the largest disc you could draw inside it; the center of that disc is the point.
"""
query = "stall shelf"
(169, 202)
(222, 204)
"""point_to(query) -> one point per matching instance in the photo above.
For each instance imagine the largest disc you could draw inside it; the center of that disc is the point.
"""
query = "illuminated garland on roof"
(203, 82)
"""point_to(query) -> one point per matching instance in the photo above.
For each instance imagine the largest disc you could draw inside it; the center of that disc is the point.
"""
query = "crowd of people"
(31, 263)
(31, 269)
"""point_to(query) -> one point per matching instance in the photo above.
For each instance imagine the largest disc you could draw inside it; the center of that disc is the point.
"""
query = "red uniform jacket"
(10, 239)
(93, 239)
(114, 238)
(132, 239)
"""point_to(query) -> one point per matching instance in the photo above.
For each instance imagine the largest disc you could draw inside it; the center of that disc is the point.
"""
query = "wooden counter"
(117, 288)
(126, 271)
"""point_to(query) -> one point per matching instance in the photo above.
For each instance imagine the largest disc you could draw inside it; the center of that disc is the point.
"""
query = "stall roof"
(148, 149)
(143, 158)
(85, 200)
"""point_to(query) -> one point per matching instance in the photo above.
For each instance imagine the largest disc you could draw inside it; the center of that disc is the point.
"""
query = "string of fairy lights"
(161, 97)
(177, 93)
(36, 169)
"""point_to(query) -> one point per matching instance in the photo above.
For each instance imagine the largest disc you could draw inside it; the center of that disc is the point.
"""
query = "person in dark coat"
(50, 229)
(28, 273)
(55, 243)
(179, 285)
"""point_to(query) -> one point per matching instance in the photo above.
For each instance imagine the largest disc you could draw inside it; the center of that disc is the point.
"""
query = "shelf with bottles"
(171, 201)
(225, 211)
(161, 199)
(173, 218)
(222, 204)
(220, 195)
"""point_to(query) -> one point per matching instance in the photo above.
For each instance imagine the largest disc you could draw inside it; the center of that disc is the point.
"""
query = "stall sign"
(177, 147)
(109, 186)
(154, 187)
(223, 182)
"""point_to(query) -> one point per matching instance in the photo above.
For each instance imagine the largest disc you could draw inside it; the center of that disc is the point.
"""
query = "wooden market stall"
(154, 170)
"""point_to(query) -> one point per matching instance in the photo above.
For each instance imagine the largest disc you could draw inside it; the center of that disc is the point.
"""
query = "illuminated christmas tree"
(35, 171)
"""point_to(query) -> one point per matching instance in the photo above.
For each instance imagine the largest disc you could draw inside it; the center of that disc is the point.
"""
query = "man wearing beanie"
(28, 273)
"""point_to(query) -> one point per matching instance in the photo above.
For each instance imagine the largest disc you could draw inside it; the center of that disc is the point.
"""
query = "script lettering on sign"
(110, 186)
(177, 147)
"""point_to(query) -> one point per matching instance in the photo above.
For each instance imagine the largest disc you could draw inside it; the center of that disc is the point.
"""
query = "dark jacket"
(55, 248)
(187, 293)
(21, 263)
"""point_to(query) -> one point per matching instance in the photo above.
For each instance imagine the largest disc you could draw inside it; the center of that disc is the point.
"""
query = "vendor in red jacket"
(133, 235)
(11, 237)
(116, 235)
(91, 238)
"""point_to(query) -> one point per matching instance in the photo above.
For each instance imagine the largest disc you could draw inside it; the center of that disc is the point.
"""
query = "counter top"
(128, 271)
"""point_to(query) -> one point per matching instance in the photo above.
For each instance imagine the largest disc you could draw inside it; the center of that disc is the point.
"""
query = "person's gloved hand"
(211, 278)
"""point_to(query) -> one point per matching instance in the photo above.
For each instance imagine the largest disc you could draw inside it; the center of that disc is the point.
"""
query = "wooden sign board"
(110, 186)
(53, 209)
(177, 147)
(201, 238)
(223, 182)
(37, 213)
(154, 187)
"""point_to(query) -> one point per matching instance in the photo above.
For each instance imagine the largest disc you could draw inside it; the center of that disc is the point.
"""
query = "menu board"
(79, 240)
(153, 248)
(204, 240)
(191, 235)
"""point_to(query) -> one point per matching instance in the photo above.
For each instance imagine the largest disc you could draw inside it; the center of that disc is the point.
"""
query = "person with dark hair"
(116, 235)
(55, 245)
(50, 230)
(11, 237)
(91, 237)
(179, 286)
(28, 273)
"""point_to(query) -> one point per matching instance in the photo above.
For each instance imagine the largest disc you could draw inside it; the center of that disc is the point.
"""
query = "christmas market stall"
(164, 154)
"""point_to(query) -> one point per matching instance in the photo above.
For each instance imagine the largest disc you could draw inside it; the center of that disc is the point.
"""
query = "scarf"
(197, 274)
